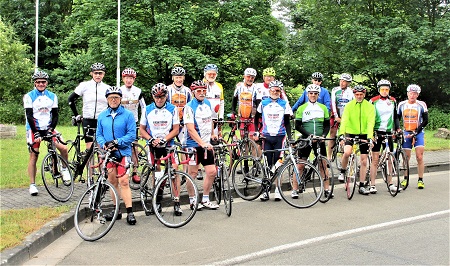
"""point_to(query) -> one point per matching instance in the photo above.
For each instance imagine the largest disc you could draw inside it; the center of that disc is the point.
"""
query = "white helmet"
(250, 72)
(413, 88)
(346, 77)
(313, 88)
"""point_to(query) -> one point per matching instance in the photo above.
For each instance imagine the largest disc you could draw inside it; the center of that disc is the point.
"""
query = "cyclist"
(414, 114)
(386, 122)
(116, 130)
(198, 119)
(275, 113)
(41, 115)
(214, 93)
(358, 120)
(312, 119)
(340, 97)
(324, 95)
(131, 99)
(243, 97)
(159, 125)
(94, 101)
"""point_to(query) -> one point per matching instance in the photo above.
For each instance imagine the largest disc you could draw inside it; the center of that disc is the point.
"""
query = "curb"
(54, 229)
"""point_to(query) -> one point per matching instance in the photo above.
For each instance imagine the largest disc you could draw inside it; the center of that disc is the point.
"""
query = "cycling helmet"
(317, 75)
(178, 71)
(276, 83)
(383, 82)
(98, 66)
(250, 72)
(313, 88)
(210, 67)
(129, 72)
(346, 77)
(359, 88)
(113, 90)
(198, 84)
(39, 75)
(413, 88)
(159, 89)
(269, 72)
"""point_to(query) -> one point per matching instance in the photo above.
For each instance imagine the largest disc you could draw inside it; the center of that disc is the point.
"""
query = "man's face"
(114, 100)
(316, 81)
(384, 91)
(268, 79)
(412, 96)
(128, 81)
(312, 96)
(211, 75)
(248, 79)
(274, 92)
(343, 83)
(200, 94)
(40, 84)
(178, 80)
(98, 75)
(359, 96)
(160, 100)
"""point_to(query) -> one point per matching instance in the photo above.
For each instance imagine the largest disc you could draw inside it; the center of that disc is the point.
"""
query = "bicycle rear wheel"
(93, 166)
(227, 190)
(391, 175)
(248, 147)
(308, 180)
(217, 187)
(139, 159)
(96, 202)
(351, 176)
(247, 175)
(185, 196)
(326, 172)
(403, 168)
(52, 176)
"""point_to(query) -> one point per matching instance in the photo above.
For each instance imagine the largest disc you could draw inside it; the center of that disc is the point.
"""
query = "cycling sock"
(205, 198)
(343, 171)
(421, 179)
(405, 177)
(191, 200)
(129, 209)
(361, 184)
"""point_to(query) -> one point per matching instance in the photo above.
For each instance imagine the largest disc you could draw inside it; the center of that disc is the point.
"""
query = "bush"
(438, 118)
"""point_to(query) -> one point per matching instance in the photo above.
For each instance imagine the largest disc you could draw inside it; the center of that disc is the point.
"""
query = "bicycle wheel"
(403, 168)
(391, 175)
(326, 172)
(93, 166)
(173, 194)
(336, 156)
(139, 159)
(217, 187)
(96, 202)
(308, 181)
(248, 147)
(227, 190)
(247, 175)
(74, 158)
(146, 188)
(51, 171)
(350, 176)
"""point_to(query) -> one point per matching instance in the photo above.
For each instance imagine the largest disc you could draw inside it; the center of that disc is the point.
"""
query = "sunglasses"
(318, 80)
(201, 90)
(99, 73)
(384, 89)
(114, 98)
(40, 82)
(275, 91)
(314, 93)
(160, 97)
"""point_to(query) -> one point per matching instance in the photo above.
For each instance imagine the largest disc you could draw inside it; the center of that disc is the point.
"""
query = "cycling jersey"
(214, 94)
(159, 121)
(42, 104)
(131, 99)
(385, 113)
(117, 125)
(179, 97)
(412, 114)
(324, 98)
(358, 118)
(273, 112)
(262, 92)
(245, 96)
(94, 100)
(312, 116)
(339, 99)
(200, 114)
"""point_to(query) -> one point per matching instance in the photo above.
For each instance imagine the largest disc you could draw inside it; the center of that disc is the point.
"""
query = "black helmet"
(39, 75)
(359, 88)
(98, 66)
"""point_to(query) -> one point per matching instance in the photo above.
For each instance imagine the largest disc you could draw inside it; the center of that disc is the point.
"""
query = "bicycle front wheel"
(351, 175)
(52, 176)
(96, 211)
(227, 190)
(392, 176)
(403, 168)
(139, 159)
(248, 147)
(146, 188)
(93, 166)
(217, 187)
(177, 198)
(247, 175)
(300, 184)
(326, 172)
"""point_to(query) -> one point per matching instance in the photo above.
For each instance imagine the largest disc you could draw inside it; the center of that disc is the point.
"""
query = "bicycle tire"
(310, 184)
(394, 173)
(247, 176)
(248, 147)
(93, 166)
(147, 186)
(74, 158)
(227, 191)
(142, 160)
(187, 190)
(54, 184)
(328, 170)
(89, 219)
(351, 176)
(403, 167)
(336, 156)
(217, 189)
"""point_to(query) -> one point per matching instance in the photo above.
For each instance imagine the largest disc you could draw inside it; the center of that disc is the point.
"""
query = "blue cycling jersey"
(200, 114)
(42, 103)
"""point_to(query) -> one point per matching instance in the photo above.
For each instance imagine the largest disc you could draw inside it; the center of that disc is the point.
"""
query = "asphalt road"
(412, 228)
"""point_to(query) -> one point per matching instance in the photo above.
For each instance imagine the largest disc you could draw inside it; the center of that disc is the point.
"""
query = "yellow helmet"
(269, 72)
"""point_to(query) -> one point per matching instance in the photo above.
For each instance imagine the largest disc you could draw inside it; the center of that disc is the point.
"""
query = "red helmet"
(129, 72)
(198, 84)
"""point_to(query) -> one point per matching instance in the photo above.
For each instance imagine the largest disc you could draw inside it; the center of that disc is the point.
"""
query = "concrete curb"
(51, 231)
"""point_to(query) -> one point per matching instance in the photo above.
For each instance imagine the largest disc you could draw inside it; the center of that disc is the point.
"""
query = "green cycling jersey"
(358, 118)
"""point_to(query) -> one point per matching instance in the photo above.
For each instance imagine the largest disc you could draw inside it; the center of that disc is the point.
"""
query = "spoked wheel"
(147, 188)
(351, 176)
(217, 187)
(247, 175)
(403, 168)
(139, 159)
(300, 185)
(178, 199)
(249, 147)
(227, 191)
(391, 175)
(59, 187)
(93, 167)
(96, 211)
(326, 171)
(336, 156)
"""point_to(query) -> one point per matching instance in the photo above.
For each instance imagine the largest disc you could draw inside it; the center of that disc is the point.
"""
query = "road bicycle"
(403, 163)
(59, 187)
(389, 166)
(245, 145)
(222, 182)
(140, 159)
(171, 195)
(99, 200)
(352, 172)
(337, 151)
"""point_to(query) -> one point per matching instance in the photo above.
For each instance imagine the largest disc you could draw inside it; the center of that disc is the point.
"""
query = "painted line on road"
(277, 249)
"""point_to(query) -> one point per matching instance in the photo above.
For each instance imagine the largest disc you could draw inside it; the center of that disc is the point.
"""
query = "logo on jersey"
(245, 104)
(179, 100)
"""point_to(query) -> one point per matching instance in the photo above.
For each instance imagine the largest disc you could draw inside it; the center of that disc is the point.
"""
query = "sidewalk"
(19, 198)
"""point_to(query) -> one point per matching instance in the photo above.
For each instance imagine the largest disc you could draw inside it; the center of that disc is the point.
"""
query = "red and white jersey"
(215, 97)
(245, 95)
(131, 99)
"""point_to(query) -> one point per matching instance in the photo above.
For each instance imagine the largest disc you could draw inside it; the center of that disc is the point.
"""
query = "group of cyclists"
(189, 115)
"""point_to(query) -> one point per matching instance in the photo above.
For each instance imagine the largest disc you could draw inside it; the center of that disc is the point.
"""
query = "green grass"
(14, 155)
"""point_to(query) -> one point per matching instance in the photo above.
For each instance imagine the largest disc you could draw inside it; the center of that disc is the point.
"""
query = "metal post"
(36, 38)
(118, 45)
